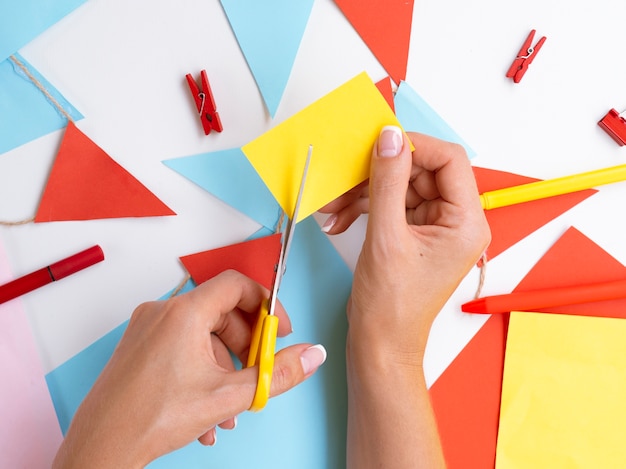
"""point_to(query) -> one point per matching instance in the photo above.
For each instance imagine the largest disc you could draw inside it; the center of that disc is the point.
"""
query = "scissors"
(263, 342)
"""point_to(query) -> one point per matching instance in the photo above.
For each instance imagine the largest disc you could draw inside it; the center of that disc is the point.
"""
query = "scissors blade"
(288, 235)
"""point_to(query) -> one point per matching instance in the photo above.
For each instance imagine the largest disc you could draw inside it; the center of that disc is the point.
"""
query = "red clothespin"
(524, 58)
(205, 104)
(615, 125)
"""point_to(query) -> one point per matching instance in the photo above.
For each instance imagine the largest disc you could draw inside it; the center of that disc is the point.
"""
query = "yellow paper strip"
(342, 127)
(563, 393)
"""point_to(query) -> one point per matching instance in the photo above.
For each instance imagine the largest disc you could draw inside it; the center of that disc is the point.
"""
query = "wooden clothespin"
(205, 104)
(615, 125)
(524, 58)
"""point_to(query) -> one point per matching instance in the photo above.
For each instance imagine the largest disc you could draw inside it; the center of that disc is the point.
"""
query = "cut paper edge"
(385, 27)
(269, 37)
(86, 183)
(256, 258)
(229, 176)
(511, 224)
(466, 397)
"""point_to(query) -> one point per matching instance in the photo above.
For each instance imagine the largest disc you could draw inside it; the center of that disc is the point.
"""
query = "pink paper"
(29, 430)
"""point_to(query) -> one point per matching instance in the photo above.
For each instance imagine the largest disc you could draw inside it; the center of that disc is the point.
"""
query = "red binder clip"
(614, 125)
(524, 58)
(205, 104)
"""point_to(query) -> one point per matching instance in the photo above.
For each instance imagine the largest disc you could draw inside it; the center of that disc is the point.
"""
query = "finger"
(346, 199)
(209, 438)
(229, 303)
(452, 169)
(389, 178)
(294, 364)
(342, 220)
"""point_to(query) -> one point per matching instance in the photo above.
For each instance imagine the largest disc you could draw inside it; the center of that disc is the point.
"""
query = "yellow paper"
(342, 127)
(564, 393)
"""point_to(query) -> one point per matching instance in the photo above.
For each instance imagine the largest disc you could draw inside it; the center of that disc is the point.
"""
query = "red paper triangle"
(86, 184)
(384, 86)
(511, 224)
(385, 26)
(256, 259)
(466, 397)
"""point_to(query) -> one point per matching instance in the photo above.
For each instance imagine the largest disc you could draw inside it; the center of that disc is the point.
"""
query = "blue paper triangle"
(416, 115)
(25, 112)
(229, 176)
(269, 34)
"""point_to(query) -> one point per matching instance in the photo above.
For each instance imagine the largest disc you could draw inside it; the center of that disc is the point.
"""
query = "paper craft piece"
(563, 392)
(342, 127)
(229, 176)
(416, 115)
(26, 112)
(386, 29)
(269, 35)
(511, 224)
(466, 397)
(29, 431)
(310, 420)
(384, 86)
(85, 184)
(256, 259)
(22, 21)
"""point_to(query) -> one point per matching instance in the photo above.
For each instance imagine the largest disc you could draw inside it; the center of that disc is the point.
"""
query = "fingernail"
(234, 422)
(329, 223)
(390, 141)
(312, 358)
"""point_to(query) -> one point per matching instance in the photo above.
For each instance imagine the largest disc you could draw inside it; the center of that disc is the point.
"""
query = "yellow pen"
(552, 187)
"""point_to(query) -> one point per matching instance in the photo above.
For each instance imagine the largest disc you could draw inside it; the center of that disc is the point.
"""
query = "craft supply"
(614, 125)
(546, 298)
(525, 57)
(263, 341)
(52, 273)
(552, 187)
(205, 103)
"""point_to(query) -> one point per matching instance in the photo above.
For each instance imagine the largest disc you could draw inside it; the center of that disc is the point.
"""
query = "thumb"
(294, 364)
(389, 177)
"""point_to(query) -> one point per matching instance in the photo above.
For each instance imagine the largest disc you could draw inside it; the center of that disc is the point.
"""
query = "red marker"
(547, 298)
(49, 274)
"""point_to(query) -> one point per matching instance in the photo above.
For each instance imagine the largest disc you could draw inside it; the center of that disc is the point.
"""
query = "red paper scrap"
(466, 397)
(386, 29)
(384, 86)
(256, 259)
(86, 184)
(511, 224)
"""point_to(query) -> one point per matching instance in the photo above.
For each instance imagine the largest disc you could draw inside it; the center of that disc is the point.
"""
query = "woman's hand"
(171, 379)
(426, 230)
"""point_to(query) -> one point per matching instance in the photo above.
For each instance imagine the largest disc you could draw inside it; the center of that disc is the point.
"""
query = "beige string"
(17, 223)
(41, 88)
(483, 274)
(180, 286)
(56, 104)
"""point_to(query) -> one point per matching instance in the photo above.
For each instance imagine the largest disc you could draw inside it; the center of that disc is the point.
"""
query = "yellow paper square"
(342, 127)
(563, 393)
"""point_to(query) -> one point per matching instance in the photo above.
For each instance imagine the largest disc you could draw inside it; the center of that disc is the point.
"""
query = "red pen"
(547, 298)
(49, 274)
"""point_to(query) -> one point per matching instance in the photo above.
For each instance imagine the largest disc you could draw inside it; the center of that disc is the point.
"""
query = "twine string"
(17, 223)
(483, 274)
(41, 88)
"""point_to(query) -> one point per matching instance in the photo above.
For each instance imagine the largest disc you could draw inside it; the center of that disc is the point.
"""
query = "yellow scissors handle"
(262, 348)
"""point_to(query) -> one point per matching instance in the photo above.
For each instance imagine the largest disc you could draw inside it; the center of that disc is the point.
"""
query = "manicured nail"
(329, 223)
(312, 358)
(390, 141)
